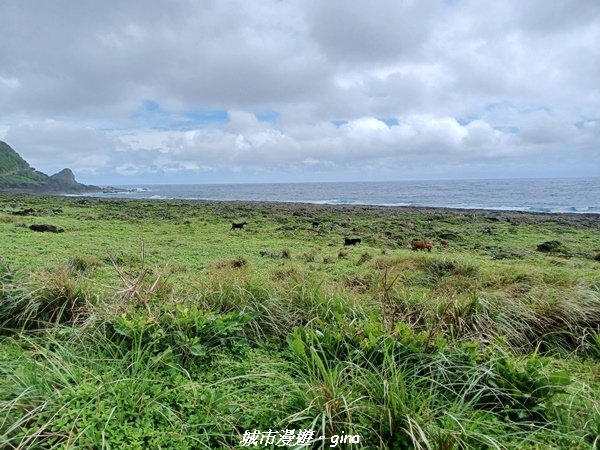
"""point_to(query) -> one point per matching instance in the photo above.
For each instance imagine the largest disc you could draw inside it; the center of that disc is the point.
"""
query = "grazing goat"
(351, 241)
(422, 245)
(315, 224)
(238, 225)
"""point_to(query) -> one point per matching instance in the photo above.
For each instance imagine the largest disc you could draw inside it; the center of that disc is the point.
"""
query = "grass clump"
(238, 262)
(364, 257)
(440, 268)
(311, 256)
(56, 296)
(6, 272)
(284, 253)
(83, 263)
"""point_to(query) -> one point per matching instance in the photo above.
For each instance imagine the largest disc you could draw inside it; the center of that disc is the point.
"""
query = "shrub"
(186, 331)
(440, 268)
(521, 390)
(552, 247)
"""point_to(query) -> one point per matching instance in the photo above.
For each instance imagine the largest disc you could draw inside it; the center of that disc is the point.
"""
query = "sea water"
(573, 195)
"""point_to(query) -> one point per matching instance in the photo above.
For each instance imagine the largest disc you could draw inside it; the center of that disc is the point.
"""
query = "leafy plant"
(186, 331)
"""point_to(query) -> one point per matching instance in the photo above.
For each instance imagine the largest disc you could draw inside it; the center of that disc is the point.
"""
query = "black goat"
(351, 241)
(315, 224)
(238, 225)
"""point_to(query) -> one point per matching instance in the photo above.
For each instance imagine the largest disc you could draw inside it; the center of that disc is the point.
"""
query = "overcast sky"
(302, 90)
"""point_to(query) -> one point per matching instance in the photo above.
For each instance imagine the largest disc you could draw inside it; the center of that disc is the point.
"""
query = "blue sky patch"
(389, 121)
(268, 116)
(339, 123)
(152, 115)
(203, 116)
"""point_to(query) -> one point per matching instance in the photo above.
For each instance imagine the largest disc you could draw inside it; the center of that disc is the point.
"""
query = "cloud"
(253, 143)
(263, 87)
(359, 33)
(52, 145)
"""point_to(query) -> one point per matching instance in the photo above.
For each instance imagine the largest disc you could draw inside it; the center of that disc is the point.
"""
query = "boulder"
(45, 228)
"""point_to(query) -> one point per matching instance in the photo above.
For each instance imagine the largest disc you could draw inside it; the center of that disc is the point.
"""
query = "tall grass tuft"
(55, 296)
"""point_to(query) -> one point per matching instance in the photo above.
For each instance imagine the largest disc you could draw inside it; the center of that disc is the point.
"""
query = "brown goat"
(422, 245)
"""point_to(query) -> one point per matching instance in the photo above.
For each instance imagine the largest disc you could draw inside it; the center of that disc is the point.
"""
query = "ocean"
(564, 195)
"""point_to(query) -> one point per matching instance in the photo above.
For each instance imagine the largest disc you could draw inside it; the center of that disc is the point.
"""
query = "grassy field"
(152, 324)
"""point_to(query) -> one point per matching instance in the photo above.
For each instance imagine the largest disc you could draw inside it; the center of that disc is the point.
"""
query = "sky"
(233, 91)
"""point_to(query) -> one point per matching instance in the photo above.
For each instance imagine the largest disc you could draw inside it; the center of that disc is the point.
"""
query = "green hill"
(16, 175)
(15, 172)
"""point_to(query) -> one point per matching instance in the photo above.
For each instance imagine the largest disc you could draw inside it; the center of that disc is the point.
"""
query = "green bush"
(522, 389)
(188, 332)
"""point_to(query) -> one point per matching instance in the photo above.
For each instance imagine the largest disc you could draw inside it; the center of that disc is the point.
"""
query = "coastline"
(346, 204)
(580, 219)
(578, 196)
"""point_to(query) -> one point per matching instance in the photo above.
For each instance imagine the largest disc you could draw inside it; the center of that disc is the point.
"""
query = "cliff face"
(16, 175)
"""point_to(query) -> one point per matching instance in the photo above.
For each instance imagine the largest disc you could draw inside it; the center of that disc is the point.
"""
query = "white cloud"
(52, 145)
(9, 83)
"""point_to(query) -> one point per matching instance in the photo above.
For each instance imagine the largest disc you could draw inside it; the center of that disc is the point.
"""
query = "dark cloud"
(371, 32)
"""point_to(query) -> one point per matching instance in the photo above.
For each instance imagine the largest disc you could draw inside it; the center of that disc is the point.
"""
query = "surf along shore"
(152, 323)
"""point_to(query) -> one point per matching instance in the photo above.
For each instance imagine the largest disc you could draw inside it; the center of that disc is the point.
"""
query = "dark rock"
(447, 234)
(44, 227)
(498, 254)
(552, 247)
(24, 212)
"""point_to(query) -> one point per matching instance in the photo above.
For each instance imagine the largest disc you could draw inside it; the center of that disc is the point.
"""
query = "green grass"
(151, 324)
